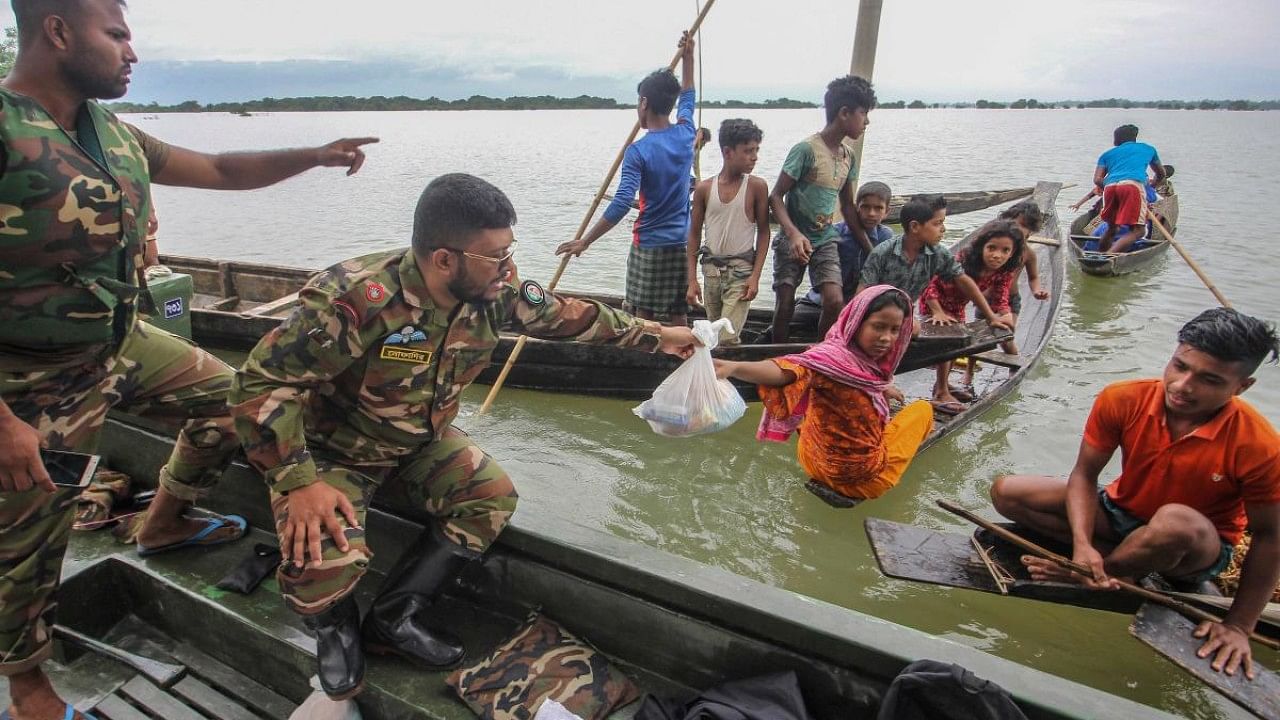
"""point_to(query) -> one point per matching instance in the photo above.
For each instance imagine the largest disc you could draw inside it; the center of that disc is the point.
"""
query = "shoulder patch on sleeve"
(533, 293)
(375, 291)
(346, 307)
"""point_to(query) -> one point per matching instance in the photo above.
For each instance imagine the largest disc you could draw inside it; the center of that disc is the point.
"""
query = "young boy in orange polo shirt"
(1198, 465)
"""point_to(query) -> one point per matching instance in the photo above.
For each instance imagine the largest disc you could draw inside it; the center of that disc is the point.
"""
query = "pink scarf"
(839, 358)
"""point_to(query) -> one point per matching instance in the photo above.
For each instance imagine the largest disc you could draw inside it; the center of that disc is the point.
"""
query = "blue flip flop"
(212, 525)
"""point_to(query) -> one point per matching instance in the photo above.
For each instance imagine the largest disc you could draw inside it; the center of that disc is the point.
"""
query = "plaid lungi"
(658, 279)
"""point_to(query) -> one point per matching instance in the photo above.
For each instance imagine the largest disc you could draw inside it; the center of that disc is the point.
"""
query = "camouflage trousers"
(152, 374)
(452, 478)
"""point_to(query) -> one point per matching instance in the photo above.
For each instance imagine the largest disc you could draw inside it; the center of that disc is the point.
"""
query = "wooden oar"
(1190, 611)
(586, 220)
(1222, 300)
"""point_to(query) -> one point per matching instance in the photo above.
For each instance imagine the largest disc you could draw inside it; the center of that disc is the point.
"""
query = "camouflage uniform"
(359, 387)
(71, 345)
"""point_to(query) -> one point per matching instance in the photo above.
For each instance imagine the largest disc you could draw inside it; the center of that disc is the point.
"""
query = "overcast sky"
(942, 50)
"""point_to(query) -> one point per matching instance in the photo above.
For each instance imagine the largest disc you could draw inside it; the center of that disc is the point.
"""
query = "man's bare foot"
(165, 524)
(34, 697)
(1042, 570)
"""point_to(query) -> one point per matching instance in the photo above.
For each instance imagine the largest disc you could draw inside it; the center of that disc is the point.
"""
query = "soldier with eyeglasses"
(359, 389)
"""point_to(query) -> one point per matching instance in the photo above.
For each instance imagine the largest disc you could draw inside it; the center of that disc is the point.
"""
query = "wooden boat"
(957, 202)
(999, 373)
(1112, 264)
(237, 303)
(670, 623)
(985, 562)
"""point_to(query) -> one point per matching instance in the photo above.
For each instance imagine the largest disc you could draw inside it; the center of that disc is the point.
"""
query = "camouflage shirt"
(73, 210)
(368, 369)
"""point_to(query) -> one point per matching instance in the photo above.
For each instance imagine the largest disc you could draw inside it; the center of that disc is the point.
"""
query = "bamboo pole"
(586, 220)
(1195, 267)
(1190, 611)
(865, 37)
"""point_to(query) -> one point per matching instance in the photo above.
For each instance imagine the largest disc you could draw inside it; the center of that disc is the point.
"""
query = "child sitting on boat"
(836, 394)
(734, 206)
(1029, 219)
(912, 261)
(991, 262)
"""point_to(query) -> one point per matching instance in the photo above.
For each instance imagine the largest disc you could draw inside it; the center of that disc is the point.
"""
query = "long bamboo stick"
(586, 220)
(1222, 299)
(1190, 611)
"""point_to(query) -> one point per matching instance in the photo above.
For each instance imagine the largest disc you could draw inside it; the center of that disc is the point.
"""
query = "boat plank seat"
(216, 673)
(157, 701)
(1012, 361)
(113, 708)
(274, 306)
(210, 701)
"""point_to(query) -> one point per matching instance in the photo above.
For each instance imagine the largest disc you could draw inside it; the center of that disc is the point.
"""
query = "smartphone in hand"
(69, 469)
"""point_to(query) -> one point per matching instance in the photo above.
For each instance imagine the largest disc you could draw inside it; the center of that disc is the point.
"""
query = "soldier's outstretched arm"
(250, 170)
(560, 317)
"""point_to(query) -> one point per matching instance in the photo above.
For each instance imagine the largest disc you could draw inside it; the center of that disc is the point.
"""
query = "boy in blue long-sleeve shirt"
(657, 166)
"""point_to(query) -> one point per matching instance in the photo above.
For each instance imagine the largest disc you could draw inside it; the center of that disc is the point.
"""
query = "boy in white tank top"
(734, 209)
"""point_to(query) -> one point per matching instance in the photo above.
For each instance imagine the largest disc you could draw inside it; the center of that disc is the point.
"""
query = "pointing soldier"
(74, 203)
(359, 388)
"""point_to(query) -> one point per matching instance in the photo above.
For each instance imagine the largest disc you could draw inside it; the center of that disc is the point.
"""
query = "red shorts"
(1124, 204)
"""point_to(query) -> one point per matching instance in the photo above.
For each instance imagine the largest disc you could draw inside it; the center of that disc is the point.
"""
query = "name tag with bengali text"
(402, 354)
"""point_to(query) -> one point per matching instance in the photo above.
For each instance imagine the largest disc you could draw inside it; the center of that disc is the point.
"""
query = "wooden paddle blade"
(913, 553)
(1170, 634)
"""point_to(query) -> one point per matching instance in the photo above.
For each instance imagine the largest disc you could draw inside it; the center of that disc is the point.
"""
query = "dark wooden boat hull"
(1109, 265)
(238, 303)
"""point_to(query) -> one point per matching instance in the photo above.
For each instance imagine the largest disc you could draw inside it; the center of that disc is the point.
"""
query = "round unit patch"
(533, 293)
(375, 292)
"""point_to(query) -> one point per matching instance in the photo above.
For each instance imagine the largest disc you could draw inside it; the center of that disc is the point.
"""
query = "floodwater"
(725, 499)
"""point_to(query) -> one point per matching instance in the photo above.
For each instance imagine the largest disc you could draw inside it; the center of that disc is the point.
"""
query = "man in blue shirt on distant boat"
(1121, 179)
(658, 166)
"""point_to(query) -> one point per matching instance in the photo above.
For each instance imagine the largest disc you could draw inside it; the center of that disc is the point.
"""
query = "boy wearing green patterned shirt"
(816, 178)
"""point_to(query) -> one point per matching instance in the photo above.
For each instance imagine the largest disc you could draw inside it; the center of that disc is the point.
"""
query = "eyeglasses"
(511, 251)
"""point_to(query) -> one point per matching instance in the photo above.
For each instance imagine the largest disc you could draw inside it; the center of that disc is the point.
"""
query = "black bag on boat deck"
(931, 690)
(769, 697)
(246, 576)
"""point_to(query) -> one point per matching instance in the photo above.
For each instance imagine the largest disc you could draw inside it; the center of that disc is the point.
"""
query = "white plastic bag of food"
(691, 401)
(318, 706)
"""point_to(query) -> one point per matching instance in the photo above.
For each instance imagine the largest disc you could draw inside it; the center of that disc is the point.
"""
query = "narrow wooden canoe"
(1113, 264)
(987, 563)
(238, 303)
(999, 374)
(672, 624)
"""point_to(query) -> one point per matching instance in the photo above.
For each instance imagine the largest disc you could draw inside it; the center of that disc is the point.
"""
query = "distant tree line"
(1033, 104)
(401, 102)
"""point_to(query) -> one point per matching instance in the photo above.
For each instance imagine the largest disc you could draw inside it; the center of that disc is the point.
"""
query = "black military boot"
(339, 656)
(395, 624)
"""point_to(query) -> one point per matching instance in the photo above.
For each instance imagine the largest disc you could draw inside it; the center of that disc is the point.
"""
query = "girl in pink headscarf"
(836, 395)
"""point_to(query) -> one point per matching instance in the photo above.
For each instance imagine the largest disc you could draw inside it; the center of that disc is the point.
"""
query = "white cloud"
(934, 49)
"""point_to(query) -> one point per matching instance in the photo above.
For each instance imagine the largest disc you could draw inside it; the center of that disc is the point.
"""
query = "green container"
(170, 302)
